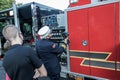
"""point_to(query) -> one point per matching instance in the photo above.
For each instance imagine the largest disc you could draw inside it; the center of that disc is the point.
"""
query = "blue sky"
(59, 4)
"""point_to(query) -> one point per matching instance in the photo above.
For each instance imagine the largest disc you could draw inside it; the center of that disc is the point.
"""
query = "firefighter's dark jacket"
(48, 53)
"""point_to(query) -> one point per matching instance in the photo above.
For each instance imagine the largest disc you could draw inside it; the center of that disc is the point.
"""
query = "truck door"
(101, 21)
(103, 40)
(78, 29)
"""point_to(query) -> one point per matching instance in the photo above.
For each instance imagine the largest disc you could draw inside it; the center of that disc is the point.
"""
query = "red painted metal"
(102, 29)
(80, 2)
(100, 26)
(78, 28)
(75, 67)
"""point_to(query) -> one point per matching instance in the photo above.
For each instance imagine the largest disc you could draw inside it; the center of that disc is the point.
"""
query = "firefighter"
(48, 51)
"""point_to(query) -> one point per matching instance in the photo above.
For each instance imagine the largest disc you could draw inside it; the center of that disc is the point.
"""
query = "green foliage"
(2, 25)
(5, 4)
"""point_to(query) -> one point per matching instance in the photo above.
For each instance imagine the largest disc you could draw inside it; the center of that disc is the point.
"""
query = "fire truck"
(94, 32)
(29, 18)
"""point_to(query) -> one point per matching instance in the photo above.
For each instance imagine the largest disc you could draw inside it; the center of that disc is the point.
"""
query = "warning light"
(79, 78)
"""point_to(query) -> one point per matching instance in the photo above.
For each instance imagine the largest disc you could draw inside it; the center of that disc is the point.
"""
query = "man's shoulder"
(27, 46)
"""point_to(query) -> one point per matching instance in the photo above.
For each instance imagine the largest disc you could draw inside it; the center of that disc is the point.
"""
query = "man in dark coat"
(48, 51)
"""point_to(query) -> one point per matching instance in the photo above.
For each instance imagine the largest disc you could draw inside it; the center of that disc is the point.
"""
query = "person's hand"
(66, 40)
(37, 74)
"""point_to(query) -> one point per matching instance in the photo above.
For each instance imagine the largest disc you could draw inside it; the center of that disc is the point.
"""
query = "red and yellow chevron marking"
(94, 60)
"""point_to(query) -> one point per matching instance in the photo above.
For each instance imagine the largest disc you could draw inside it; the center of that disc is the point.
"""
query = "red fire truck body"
(94, 32)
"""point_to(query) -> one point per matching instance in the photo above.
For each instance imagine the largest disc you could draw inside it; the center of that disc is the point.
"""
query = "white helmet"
(44, 32)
